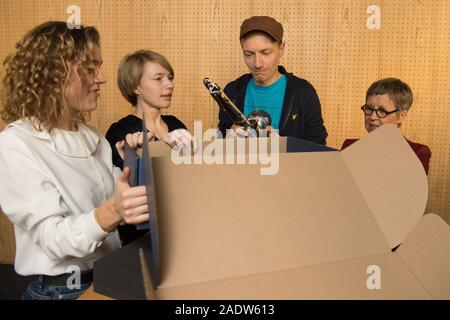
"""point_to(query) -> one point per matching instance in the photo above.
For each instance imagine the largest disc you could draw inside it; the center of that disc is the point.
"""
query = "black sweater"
(130, 124)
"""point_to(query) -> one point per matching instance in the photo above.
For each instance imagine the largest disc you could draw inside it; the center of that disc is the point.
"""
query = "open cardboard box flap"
(426, 252)
(391, 180)
(312, 230)
(403, 275)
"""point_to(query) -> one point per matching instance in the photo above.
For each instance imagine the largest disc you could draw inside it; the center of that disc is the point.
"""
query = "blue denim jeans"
(37, 290)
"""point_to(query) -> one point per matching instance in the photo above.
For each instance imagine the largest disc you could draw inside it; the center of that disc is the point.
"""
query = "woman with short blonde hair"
(145, 79)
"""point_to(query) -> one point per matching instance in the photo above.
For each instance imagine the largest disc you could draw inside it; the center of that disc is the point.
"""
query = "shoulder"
(128, 124)
(298, 84)
(238, 82)
(18, 139)
(130, 121)
(420, 149)
(22, 129)
(20, 163)
(173, 122)
(10, 136)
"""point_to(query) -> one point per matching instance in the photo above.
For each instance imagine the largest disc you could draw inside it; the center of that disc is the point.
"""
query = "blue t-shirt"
(269, 99)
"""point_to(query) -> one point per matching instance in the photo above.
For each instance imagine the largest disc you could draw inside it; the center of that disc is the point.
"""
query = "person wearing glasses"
(388, 101)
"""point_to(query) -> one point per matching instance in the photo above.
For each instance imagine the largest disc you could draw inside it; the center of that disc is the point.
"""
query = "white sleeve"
(116, 172)
(32, 202)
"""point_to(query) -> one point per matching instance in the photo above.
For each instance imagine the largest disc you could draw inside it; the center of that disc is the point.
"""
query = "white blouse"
(50, 184)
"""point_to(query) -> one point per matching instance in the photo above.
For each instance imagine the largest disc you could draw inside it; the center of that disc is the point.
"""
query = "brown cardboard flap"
(336, 280)
(159, 149)
(391, 179)
(426, 252)
(225, 221)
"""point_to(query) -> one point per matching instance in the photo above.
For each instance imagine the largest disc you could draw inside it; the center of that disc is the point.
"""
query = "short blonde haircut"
(131, 70)
(38, 73)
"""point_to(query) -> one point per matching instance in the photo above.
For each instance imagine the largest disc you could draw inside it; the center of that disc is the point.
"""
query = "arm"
(32, 201)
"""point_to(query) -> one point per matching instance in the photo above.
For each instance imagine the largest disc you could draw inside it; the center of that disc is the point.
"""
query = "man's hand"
(239, 131)
(271, 132)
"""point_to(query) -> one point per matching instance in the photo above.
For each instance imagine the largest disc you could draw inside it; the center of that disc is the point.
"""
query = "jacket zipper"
(286, 117)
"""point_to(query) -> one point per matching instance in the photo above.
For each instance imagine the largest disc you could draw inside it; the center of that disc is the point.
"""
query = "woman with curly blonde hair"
(57, 185)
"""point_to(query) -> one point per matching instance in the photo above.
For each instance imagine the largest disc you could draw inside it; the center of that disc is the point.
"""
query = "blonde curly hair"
(39, 72)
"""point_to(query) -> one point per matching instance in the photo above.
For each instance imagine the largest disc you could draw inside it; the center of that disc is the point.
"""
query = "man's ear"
(402, 116)
(282, 47)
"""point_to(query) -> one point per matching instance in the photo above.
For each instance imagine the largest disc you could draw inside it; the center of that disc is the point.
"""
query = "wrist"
(107, 216)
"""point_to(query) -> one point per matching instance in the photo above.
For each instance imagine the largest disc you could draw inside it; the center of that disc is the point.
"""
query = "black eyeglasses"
(381, 112)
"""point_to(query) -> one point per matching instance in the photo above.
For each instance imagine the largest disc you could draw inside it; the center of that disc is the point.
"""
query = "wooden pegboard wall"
(328, 44)
(7, 241)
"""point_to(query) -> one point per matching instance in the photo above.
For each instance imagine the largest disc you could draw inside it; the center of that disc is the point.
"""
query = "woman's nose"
(100, 77)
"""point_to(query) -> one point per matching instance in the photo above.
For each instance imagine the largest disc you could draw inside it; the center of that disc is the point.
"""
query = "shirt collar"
(79, 144)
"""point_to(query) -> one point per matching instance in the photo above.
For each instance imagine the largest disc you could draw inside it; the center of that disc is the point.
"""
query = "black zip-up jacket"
(301, 116)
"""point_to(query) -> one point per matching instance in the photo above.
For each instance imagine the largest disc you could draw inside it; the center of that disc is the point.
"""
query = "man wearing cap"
(292, 102)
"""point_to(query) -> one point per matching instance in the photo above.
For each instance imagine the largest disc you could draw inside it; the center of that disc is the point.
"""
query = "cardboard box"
(322, 227)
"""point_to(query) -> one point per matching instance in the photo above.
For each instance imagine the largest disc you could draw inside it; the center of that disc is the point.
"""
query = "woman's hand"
(128, 204)
(181, 140)
(134, 140)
